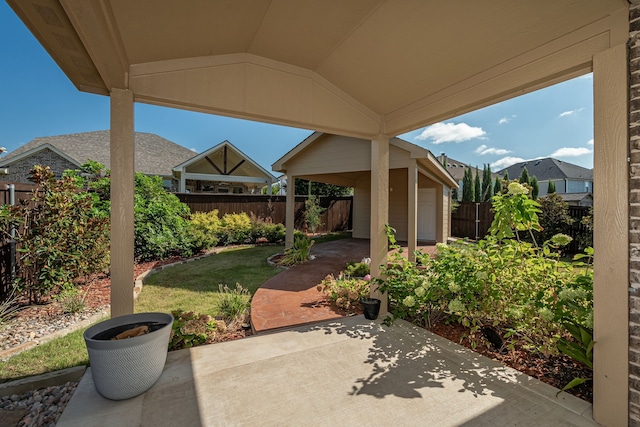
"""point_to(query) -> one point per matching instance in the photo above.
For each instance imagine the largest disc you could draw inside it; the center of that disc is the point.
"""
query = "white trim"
(10, 161)
(225, 178)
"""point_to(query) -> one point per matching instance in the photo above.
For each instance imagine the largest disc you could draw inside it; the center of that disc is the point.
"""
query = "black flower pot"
(371, 308)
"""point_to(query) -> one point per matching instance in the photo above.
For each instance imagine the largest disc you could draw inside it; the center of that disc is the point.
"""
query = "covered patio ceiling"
(357, 67)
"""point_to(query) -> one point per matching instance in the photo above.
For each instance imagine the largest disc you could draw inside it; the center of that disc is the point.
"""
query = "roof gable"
(224, 159)
(154, 155)
(549, 169)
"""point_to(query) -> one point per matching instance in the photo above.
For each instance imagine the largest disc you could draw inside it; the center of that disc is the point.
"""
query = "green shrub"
(265, 231)
(235, 229)
(191, 330)
(71, 300)
(357, 269)
(59, 234)
(207, 221)
(345, 291)
(233, 304)
(299, 252)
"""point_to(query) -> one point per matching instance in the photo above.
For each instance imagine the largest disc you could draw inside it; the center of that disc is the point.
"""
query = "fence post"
(12, 240)
(477, 218)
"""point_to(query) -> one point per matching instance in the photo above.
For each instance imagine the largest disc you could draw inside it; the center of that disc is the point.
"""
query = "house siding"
(399, 202)
(19, 170)
(634, 216)
(332, 154)
(362, 208)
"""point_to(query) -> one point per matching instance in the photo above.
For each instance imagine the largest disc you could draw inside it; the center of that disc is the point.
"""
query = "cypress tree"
(506, 175)
(487, 189)
(454, 194)
(497, 186)
(535, 189)
(467, 186)
(551, 188)
(524, 176)
(477, 189)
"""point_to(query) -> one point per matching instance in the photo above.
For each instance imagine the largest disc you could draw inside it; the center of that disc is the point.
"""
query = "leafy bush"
(264, 230)
(554, 216)
(299, 252)
(312, 213)
(162, 226)
(71, 300)
(357, 269)
(235, 228)
(191, 330)
(233, 304)
(60, 235)
(345, 291)
(524, 291)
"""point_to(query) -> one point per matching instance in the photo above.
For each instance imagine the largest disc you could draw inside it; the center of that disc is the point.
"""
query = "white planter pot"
(125, 368)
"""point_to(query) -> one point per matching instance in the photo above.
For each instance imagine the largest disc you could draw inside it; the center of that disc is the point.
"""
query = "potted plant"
(127, 353)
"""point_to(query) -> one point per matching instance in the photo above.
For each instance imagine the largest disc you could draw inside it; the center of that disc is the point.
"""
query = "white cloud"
(570, 112)
(505, 162)
(450, 132)
(483, 150)
(571, 152)
(506, 120)
(193, 149)
(590, 142)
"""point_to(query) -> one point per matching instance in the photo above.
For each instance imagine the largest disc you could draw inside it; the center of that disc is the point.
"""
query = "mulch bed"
(553, 370)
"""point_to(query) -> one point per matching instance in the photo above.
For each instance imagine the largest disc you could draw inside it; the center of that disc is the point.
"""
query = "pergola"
(369, 69)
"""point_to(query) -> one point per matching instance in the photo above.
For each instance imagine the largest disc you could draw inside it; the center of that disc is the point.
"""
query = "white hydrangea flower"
(516, 188)
(420, 291)
(545, 314)
(409, 301)
(454, 287)
(456, 306)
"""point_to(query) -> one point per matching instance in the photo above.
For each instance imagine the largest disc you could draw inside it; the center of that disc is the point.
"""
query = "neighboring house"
(457, 168)
(577, 199)
(154, 155)
(221, 169)
(567, 177)
(346, 161)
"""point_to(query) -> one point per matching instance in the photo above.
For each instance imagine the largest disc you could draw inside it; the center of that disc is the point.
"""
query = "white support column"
(122, 186)
(183, 181)
(611, 238)
(379, 210)
(290, 214)
(412, 218)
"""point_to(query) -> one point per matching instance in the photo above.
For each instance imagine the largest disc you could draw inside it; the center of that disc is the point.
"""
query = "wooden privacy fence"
(337, 217)
(8, 247)
(471, 220)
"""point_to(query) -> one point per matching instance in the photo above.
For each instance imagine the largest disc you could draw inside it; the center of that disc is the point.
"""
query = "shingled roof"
(549, 169)
(154, 155)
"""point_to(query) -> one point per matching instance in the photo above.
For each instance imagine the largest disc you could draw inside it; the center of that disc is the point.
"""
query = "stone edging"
(274, 264)
(41, 381)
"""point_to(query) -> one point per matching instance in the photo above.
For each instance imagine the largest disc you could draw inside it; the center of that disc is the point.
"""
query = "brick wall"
(19, 171)
(634, 216)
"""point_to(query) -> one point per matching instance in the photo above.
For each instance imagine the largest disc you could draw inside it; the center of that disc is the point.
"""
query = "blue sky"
(37, 99)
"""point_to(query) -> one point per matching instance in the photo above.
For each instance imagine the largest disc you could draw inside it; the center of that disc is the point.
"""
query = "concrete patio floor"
(344, 372)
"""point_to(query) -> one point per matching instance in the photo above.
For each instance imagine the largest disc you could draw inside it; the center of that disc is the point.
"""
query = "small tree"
(487, 188)
(60, 235)
(535, 188)
(312, 213)
(551, 188)
(524, 176)
(477, 189)
(454, 194)
(554, 216)
(467, 186)
(497, 186)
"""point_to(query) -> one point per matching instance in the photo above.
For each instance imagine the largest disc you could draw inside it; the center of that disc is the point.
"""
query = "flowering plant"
(191, 329)
(345, 291)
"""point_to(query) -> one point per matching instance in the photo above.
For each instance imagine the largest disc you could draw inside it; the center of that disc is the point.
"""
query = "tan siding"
(445, 215)
(398, 158)
(332, 154)
(362, 208)
(398, 202)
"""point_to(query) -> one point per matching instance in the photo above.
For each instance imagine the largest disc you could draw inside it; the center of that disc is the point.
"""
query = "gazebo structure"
(374, 69)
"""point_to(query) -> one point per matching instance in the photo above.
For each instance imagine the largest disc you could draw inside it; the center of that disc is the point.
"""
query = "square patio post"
(290, 212)
(379, 211)
(122, 187)
(412, 218)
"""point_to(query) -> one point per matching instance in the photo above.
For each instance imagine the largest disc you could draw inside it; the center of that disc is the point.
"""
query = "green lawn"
(194, 286)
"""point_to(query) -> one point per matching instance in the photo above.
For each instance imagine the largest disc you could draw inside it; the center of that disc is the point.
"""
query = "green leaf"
(573, 383)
